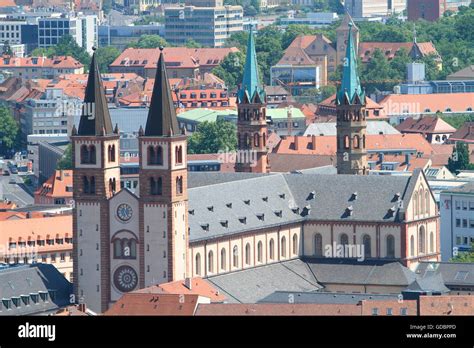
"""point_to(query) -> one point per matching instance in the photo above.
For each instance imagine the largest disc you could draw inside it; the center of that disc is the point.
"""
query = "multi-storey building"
(209, 26)
(457, 220)
(432, 10)
(82, 28)
(40, 67)
(374, 8)
(10, 31)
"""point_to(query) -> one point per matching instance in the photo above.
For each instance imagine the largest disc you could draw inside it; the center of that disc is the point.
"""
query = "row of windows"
(155, 155)
(464, 240)
(27, 300)
(389, 311)
(201, 95)
(465, 223)
(248, 253)
(464, 205)
(246, 141)
(43, 258)
(39, 242)
(421, 202)
(366, 241)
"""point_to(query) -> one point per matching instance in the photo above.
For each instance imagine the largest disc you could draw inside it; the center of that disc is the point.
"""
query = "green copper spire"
(350, 87)
(250, 83)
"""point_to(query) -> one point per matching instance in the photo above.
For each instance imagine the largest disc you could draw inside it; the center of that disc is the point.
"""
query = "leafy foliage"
(212, 137)
(149, 41)
(9, 131)
(231, 69)
(105, 56)
(465, 256)
(66, 46)
(66, 161)
(460, 159)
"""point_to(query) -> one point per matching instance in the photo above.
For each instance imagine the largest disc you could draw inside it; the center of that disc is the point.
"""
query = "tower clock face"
(124, 212)
(125, 278)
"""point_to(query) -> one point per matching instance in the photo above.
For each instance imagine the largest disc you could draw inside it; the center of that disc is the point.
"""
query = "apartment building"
(457, 220)
(31, 68)
(83, 28)
(360, 9)
(10, 31)
(209, 25)
(432, 10)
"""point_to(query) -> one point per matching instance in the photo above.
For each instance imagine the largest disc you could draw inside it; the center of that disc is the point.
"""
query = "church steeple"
(350, 87)
(161, 119)
(95, 118)
(250, 88)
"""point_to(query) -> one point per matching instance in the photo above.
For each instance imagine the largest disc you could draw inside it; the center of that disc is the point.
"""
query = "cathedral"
(182, 225)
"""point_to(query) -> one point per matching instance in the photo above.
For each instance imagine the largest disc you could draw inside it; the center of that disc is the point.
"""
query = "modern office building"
(10, 31)
(432, 10)
(120, 36)
(457, 220)
(363, 9)
(84, 30)
(210, 26)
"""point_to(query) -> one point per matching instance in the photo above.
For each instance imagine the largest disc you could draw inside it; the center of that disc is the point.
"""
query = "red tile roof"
(389, 49)
(139, 303)
(61, 62)
(425, 125)
(465, 133)
(59, 185)
(326, 145)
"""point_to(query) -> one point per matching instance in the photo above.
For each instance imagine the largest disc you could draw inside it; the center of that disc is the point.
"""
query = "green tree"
(66, 161)
(377, 73)
(43, 51)
(459, 160)
(192, 44)
(458, 121)
(293, 31)
(327, 91)
(7, 50)
(238, 40)
(150, 41)
(464, 256)
(105, 56)
(398, 64)
(9, 131)
(67, 46)
(231, 69)
(212, 137)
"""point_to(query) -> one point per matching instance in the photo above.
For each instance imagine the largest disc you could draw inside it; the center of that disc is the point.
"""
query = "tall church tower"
(96, 178)
(252, 121)
(351, 122)
(163, 204)
(342, 36)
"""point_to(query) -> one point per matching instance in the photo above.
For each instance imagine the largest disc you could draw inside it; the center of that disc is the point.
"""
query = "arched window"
(318, 245)
(427, 202)
(117, 248)
(159, 155)
(259, 251)
(92, 185)
(133, 248)
(295, 244)
(355, 142)
(283, 247)
(92, 156)
(264, 139)
(156, 186)
(198, 264)
(223, 259)
(344, 239)
(431, 242)
(347, 141)
(390, 246)
(421, 240)
(85, 184)
(179, 185)
(210, 262)
(415, 203)
(111, 153)
(151, 155)
(366, 241)
(272, 249)
(256, 140)
(247, 254)
(247, 140)
(235, 256)
(412, 246)
(179, 154)
(422, 201)
(84, 154)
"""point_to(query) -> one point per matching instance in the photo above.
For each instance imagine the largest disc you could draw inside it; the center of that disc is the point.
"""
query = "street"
(14, 192)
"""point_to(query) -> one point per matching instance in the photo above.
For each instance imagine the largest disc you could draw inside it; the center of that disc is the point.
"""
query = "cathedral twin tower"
(123, 242)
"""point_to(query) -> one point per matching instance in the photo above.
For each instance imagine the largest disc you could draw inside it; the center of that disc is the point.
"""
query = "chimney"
(296, 142)
(313, 142)
(188, 283)
(28, 215)
(81, 307)
(407, 159)
(61, 175)
(381, 157)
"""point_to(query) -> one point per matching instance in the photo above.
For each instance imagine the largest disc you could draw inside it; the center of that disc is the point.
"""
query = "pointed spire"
(414, 33)
(95, 117)
(161, 119)
(250, 81)
(350, 79)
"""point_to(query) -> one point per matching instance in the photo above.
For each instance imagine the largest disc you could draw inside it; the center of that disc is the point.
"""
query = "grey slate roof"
(197, 179)
(431, 283)
(252, 285)
(344, 272)
(32, 279)
(453, 273)
(324, 297)
(288, 195)
(329, 128)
